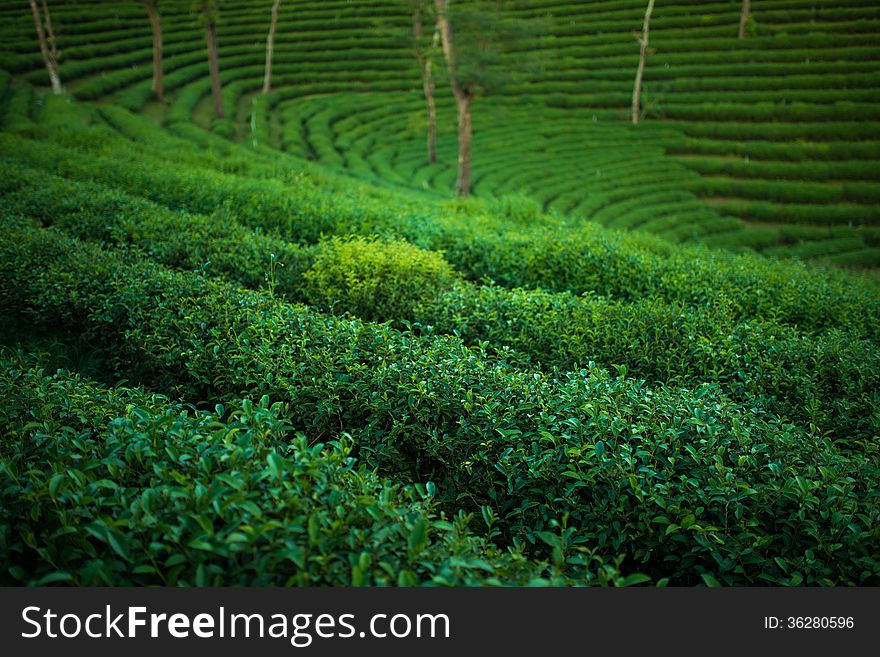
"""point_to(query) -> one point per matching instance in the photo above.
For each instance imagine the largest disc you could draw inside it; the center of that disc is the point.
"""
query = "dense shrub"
(695, 484)
(553, 256)
(375, 279)
(114, 487)
(829, 380)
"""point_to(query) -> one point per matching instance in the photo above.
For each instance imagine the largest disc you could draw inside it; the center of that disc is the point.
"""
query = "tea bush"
(556, 257)
(695, 483)
(113, 487)
(375, 279)
(829, 380)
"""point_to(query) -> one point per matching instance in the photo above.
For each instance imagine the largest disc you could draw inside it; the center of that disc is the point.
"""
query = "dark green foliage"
(829, 380)
(694, 482)
(575, 405)
(112, 487)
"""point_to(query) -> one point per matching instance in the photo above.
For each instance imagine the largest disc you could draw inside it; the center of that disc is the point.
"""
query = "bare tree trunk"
(50, 33)
(49, 56)
(270, 47)
(643, 56)
(465, 130)
(744, 18)
(426, 66)
(432, 113)
(214, 67)
(463, 100)
(156, 25)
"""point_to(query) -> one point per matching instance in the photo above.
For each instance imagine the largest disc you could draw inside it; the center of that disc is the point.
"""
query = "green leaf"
(54, 578)
(710, 581)
(635, 578)
(54, 483)
(417, 535)
(487, 515)
(198, 544)
(549, 538)
(276, 465)
(117, 545)
(313, 529)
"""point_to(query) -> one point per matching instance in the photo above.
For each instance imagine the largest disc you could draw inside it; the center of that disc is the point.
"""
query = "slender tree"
(208, 11)
(744, 18)
(152, 7)
(643, 56)
(47, 47)
(270, 46)
(50, 33)
(464, 94)
(474, 37)
(424, 55)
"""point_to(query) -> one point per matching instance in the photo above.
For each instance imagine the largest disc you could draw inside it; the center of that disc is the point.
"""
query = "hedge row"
(832, 381)
(682, 484)
(176, 239)
(810, 194)
(849, 170)
(780, 151)
(547, 255)
(800, 213)
(119, 487)
(772, 111)
(789, 134)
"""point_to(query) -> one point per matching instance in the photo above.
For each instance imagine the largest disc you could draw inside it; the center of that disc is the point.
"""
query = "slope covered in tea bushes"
(767, 142)
(270, 349)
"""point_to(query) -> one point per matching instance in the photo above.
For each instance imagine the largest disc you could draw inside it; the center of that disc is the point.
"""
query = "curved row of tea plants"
(801, 88)
(698, 485)
(538, 253)
(831, 381)
(117, 486)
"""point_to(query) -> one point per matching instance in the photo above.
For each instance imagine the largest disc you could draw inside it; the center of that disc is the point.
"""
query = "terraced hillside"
(769, 142)
(271, 349)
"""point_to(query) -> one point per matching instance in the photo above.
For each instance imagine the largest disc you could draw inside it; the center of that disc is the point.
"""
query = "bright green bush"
(376, 279)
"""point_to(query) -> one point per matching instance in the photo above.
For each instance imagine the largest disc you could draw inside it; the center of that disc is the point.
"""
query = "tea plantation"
(273, 349)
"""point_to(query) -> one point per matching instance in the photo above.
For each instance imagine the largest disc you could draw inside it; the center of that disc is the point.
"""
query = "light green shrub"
(376, 278)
